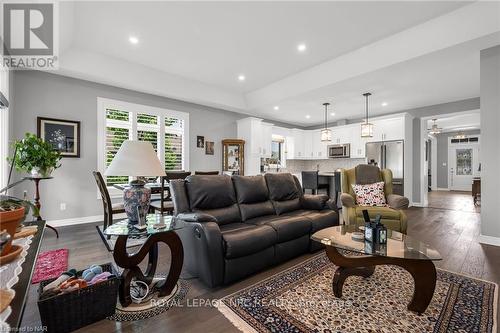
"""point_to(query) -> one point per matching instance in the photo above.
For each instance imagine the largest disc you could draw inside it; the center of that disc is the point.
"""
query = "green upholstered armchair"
(393, 217)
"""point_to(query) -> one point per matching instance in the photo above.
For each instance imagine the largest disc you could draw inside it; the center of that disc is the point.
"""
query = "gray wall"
(416, 161)
(490, 143)
(442, 156)
(41, 94)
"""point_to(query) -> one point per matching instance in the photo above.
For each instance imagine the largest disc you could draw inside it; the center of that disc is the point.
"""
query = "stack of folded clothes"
(69, 281)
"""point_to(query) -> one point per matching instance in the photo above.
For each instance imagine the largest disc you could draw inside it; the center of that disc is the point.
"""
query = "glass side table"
(158, 229)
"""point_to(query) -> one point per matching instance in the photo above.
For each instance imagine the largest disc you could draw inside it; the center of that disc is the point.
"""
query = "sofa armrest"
(203, 252)
(315, 202)
(397, 201)
(196, 217)
(347, 200)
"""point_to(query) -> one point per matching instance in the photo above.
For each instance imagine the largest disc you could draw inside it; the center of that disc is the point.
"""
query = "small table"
(130, 262)
(38, 216)
(401, 250)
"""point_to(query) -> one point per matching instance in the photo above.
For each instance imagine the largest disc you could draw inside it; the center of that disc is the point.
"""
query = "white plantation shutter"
(174, 134)
(165, 130)
(118, 129)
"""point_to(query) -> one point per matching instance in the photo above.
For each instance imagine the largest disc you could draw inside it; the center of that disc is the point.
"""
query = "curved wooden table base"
(130, 263)
(422, 271)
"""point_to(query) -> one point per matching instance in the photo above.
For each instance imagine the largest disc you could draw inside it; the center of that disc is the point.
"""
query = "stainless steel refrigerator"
(388, 155)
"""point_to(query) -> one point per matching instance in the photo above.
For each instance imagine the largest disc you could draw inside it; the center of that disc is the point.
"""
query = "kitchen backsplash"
(332, 164)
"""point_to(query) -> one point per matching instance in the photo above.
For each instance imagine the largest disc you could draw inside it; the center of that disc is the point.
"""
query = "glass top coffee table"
(401, 250)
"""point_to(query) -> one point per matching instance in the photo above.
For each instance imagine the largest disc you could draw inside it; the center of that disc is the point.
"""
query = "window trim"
(105, 103)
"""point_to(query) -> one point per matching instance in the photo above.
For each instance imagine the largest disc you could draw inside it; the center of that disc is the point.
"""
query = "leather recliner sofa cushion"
(241, 239)
(319, 219)
(286, 227)
(283, 192)
(213, 195)
(253, 196)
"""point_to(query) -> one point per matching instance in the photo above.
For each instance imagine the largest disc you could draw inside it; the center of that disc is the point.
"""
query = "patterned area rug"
(50, 265)
(300, 299)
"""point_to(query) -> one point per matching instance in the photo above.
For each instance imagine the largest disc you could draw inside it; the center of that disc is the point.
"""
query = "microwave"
(339, 151)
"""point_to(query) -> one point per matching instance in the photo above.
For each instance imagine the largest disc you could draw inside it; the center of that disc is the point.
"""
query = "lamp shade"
(136, 159)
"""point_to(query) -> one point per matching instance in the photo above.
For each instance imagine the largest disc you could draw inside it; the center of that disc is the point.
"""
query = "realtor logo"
(29, 36)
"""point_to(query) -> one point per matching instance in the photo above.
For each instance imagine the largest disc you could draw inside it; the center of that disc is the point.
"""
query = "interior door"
(462, 166)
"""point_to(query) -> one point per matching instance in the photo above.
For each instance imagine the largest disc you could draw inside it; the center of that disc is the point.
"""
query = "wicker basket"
(73, 310)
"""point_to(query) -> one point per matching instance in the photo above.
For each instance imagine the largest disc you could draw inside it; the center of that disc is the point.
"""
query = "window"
(120, 121)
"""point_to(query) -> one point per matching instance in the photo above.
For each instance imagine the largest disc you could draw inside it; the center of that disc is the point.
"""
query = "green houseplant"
(35, 156)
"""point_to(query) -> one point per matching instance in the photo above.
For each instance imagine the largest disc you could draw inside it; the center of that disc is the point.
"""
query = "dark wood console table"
(21, 288)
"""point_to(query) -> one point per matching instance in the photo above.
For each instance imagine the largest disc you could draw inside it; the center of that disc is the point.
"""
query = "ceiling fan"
(434, 128)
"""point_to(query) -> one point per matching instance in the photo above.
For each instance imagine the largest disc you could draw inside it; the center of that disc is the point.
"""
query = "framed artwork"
(63, 135)
(233, 154)
(200, 141)
(209, 148)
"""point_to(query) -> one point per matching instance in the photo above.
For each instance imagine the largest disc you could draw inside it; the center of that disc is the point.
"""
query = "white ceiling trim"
(460, 26)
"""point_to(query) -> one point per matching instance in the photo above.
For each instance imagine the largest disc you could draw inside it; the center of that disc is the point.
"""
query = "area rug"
(50, 265)
(300, 299)
(153, 306)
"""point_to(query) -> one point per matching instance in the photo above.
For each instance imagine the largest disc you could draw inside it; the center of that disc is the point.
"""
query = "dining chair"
(165, 203)
(108, 207)
(207, 173)
(310, 181)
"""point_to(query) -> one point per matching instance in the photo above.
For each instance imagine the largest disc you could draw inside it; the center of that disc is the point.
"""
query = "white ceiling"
(195, 51)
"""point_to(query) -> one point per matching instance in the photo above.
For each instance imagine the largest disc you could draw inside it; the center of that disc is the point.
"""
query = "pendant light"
(366, 127)
(326, 133)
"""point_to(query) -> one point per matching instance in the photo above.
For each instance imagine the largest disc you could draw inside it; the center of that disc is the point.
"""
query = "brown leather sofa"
(393, 217)
(239, 225)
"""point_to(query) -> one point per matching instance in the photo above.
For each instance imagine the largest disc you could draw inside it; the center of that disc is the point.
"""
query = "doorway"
(463, 163)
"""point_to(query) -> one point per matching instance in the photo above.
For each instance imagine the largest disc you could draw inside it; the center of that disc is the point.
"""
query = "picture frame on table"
(63, 135)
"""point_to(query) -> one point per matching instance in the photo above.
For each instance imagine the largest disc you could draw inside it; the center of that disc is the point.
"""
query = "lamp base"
(136, 196)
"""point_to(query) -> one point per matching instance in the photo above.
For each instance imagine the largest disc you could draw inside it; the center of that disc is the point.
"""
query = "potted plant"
(35, 156)
(13, 211)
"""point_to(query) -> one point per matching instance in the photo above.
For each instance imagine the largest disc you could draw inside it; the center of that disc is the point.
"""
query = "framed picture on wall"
(209, 147)
(200, 141)
(63, 135)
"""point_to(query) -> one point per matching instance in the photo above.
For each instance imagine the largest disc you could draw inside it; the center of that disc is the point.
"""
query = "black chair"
(310, 181)
(108, 206)
(164, 204)
(207, 173)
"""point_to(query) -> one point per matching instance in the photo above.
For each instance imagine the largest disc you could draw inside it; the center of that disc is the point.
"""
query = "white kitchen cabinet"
(308, 145)
(318, 147)
(298, 144)
(388, 129)
(358, 144)
(266, 139)
(340, 134)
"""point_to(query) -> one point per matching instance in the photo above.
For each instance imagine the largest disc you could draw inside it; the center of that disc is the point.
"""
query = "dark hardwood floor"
(453, 232)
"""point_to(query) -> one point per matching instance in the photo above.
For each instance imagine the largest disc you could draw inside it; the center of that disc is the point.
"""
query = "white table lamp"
(135, 159)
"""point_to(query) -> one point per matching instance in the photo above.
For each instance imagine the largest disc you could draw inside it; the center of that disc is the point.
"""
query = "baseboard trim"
(81, 220)
(442, 189)
(489, 240)
(416, 204)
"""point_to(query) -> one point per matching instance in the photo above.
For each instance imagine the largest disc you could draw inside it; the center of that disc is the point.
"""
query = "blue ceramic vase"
(136, 196)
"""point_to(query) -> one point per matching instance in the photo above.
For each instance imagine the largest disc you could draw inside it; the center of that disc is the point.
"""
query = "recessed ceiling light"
(308, 116)
(332, 114)
(133, 40)
(276, 107)
(241, 77)
(384, 104)
(301, 47)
